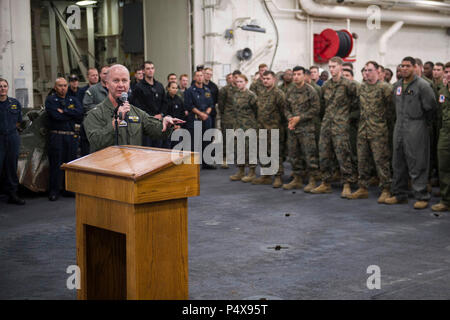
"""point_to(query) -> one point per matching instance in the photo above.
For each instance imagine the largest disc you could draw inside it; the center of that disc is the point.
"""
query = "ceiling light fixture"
(85, 3)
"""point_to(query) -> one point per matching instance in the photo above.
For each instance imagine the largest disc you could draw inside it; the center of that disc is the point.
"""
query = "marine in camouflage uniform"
(271, 103)
(334, 140)
(436, 127)
(244, 117)
(390, 120)
(303, 102)
(226, 104)
(335, 164)
(444, 150)
(285, 88)
(318, 121)
(354, 119)
(373, 133)
(257, 86)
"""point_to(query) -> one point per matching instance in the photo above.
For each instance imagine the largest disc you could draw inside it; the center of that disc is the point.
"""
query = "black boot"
(14, 199)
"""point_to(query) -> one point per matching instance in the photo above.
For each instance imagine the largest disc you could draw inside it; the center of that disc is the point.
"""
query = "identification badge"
(123, 123)
(399, 91)
(71, 106)
(208, 95)
(134, 119)
(441, 98)
(14, 107)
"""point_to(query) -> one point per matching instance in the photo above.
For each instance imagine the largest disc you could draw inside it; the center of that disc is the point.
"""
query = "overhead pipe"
(345, 12)
(296, 10)
(418, 4)
(385, 38)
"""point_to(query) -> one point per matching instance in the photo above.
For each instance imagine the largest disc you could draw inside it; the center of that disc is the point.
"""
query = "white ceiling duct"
(398, 4)
(358, 13)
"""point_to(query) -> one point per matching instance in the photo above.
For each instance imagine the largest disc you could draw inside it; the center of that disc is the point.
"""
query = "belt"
(67, 133)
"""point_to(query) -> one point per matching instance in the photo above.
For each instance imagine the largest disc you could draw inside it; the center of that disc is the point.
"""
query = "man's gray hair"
(114, 67)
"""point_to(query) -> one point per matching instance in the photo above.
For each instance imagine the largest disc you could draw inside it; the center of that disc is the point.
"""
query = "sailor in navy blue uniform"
(199, 102)
(10, 117)
(64, 112)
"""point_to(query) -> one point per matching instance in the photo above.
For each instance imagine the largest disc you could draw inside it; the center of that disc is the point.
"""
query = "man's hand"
(60, 110)
(158, 116)
(168, 121)
(204, 116)
(293, 122)
(123, 109)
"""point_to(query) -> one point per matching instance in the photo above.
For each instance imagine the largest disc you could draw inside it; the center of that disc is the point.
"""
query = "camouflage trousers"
(303, 150)
(376, 148)
(281, 151)
(249, 151)
(444, 165)
(223, 127)
(336, 142)
(353, 142)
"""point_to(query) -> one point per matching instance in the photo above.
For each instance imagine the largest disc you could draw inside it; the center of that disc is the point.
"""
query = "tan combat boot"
(395, 200)
(440, 207)
(239, 175)
(250, 176)
(296, 183)
(311, 185)
(323, 188)
(346, 190)
(361, 193)
(224, 164)
(384, 195)
(277, 183)
(262, 180)
(420, 204)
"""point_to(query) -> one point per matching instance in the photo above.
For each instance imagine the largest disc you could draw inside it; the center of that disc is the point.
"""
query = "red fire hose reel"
(330, 43)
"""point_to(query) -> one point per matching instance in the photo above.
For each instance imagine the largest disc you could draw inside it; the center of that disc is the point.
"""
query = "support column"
(16, 50)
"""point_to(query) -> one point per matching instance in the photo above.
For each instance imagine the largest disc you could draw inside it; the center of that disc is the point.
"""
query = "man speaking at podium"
(100, 123)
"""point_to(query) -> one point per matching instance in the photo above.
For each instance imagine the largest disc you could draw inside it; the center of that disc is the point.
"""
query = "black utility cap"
(73, 77)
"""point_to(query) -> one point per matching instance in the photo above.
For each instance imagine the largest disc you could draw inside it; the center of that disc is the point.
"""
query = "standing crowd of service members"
(396, 136)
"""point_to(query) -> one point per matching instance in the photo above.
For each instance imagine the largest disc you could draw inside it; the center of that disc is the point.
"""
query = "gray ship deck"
(326, 242)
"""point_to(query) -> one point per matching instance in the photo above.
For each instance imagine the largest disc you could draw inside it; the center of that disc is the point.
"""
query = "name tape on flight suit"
(134, 119)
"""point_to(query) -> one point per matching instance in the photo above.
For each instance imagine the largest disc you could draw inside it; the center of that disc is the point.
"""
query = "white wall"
(294, 43)
(167, 37)
(15, 47)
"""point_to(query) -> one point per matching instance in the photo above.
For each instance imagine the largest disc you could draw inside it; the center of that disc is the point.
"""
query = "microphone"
(121, 100)
(123, 97)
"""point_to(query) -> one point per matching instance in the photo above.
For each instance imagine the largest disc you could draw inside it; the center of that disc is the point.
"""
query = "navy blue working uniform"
(151, 99)
(79, 94)
(176, 109)
(10, 115)
(63, 140)
(199, 98)
(215, 96)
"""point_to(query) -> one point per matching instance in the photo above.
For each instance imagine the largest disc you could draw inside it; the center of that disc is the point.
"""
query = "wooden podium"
(131, 217)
